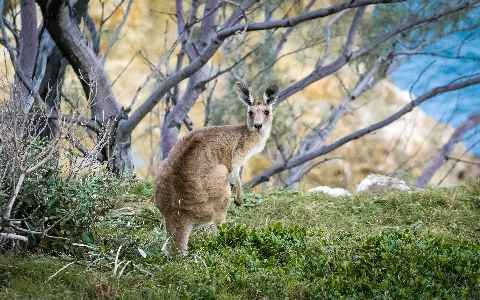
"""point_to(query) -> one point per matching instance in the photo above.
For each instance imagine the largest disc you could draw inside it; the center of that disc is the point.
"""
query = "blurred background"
(341, 67)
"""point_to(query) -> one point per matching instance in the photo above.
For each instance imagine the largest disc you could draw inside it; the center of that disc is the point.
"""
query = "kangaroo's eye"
(266, 112)
(250, 113)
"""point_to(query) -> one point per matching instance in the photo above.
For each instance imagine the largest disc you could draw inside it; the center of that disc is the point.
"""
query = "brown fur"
(192, 185)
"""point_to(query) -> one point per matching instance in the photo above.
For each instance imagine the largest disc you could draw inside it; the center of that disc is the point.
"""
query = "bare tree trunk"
(50, 67)
(174, 119)
(50, 64)
(73, 44)
(28, 49)
(441, 158)
(88, 67)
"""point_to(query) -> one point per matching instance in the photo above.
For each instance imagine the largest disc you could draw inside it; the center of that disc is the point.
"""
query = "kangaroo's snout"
(257, 126)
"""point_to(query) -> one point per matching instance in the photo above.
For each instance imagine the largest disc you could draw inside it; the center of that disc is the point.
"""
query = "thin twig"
(63, 268)
(117, 32)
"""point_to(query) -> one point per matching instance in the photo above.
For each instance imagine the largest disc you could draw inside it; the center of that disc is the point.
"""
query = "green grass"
(450, 211)
(281, 244)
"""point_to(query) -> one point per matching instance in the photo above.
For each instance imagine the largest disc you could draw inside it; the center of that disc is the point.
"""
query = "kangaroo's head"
(259, 109)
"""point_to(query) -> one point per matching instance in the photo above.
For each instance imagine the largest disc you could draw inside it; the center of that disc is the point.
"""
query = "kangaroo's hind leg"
(178, 231)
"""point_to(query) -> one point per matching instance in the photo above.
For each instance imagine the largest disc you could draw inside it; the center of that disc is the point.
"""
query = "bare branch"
(179, 15)
(117, 32)
(164, 59)
(77, 119)
(8, 209)
(104, 20)
(308, 16)
(84, 150)
(290, 30)
(37, 233)
(352, 32)
(452, 86)
(327, 35)
(446, 149)
(13, 236)
(316, 142)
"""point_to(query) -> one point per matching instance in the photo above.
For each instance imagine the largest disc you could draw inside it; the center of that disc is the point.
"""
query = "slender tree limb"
(8, 209)
(289, 31)
(442, 156)
(308, 16)
(455, 85)
(77, 119)
(327, 36)
(105, 20)
(117, 32)
(463, 161)
(352, 32)
(179, 15)
(94, 35)
(37, 233)
(316, 142)
(84, 150)
(66, 216)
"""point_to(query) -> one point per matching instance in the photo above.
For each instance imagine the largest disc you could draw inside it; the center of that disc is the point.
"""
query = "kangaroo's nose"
(257, 126)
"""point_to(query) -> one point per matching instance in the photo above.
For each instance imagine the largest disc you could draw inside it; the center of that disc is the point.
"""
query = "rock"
(377, 182)
(335, 192)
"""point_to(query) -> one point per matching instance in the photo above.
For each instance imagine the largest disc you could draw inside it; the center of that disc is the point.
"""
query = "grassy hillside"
(279, 245)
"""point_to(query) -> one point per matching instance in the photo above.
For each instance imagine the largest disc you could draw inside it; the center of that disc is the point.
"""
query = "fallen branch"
(13, 236)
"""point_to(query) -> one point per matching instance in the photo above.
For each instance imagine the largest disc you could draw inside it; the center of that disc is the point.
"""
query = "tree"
(378, 33)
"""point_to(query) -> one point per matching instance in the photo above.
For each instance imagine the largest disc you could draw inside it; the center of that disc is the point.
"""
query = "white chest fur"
(258, 147)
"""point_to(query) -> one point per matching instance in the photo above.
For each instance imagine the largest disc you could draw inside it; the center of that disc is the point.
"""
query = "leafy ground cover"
(280, 245)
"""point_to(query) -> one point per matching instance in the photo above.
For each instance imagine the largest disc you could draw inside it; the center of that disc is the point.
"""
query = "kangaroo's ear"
(271, 94)
(244, 93)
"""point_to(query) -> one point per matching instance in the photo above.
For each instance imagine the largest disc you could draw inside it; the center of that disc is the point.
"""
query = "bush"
(63, 210)
(41, 201)
(54, 210)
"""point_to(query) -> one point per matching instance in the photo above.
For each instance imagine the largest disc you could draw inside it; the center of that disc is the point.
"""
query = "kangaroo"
(192, 187)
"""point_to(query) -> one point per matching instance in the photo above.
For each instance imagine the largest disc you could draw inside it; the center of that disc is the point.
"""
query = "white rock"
(335, 192)
(377, 182)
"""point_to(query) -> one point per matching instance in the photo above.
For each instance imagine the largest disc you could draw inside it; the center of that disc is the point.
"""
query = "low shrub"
(56, 211)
